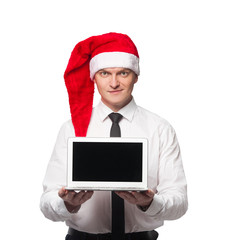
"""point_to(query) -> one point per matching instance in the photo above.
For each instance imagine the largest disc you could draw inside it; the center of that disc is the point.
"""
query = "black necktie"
(118, 223)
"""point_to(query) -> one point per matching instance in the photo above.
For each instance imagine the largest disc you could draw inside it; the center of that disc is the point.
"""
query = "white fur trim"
(114, 59)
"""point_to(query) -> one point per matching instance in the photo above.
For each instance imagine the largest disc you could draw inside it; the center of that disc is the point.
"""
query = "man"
(111, 62)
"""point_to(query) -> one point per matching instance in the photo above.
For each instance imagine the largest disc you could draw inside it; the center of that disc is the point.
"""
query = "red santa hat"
(88, 57)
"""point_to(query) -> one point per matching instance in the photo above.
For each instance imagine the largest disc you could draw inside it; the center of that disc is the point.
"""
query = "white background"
(190, 58)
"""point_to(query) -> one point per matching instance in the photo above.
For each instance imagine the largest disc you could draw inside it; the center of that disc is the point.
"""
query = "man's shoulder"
(151, 116)
(67, 124)
(67, 128)
(154, 122)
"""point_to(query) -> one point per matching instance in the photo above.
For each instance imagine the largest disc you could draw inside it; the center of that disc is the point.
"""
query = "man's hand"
(73, 200)
(141, 199)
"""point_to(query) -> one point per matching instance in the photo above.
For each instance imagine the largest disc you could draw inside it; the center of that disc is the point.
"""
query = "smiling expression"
(115, 85)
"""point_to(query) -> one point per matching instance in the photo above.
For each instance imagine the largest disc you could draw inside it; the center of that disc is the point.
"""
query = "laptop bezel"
(93, 185)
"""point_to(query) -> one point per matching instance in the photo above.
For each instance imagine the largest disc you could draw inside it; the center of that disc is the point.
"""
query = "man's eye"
(124, 74)
(103, 74)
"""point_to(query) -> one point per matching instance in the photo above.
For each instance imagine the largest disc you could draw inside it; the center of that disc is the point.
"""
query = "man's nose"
(114, 81)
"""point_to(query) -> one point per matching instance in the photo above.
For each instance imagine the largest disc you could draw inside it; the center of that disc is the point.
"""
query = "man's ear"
(136, 79)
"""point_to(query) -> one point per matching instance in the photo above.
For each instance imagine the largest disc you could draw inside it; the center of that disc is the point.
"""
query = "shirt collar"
(127, 111)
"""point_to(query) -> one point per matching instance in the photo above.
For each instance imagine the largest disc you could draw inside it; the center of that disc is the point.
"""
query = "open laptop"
(107, 164)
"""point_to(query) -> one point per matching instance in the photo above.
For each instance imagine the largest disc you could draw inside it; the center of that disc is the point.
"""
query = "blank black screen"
(108, 162)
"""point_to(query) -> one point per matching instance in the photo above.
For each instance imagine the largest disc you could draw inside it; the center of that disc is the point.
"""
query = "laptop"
(107, 164)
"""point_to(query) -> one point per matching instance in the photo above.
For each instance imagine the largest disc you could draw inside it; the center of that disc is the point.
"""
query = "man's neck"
(116, 107)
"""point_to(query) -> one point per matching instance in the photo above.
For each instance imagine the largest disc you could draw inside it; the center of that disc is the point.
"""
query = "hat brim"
(113, 59)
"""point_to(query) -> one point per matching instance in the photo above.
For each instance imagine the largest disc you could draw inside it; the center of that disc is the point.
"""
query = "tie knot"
(115, 117)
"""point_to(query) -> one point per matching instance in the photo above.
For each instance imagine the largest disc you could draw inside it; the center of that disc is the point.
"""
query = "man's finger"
(79, 195)
(139, 195)
(69, 196)
(82, 196)
(62, 192)
(87, 195)
(150, 193)
(127, 196)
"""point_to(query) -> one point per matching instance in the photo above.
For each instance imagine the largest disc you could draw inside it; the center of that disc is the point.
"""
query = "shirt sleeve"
(170, 201)
(51, 204)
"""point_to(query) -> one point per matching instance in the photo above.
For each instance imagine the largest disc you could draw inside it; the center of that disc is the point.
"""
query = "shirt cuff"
(62, 210)
(156, 206)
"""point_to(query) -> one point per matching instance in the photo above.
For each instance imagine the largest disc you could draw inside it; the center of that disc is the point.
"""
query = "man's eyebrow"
(124, 70)
(103, 70)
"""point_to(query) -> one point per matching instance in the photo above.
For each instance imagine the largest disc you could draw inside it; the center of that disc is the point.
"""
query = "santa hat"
(88, 57)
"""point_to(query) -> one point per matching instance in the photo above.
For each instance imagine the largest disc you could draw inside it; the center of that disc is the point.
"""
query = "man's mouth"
(115, 91)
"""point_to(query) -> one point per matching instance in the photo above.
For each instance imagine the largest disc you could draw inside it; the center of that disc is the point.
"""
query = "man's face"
(115, 86)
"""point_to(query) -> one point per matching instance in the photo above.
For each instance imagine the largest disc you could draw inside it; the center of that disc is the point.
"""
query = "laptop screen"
(107, 161)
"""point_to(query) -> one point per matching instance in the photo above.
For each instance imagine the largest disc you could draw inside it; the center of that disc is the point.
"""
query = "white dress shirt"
(165, 174)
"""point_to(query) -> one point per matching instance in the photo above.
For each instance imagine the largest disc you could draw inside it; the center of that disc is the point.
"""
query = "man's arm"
(56, 202)
(168, 201)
